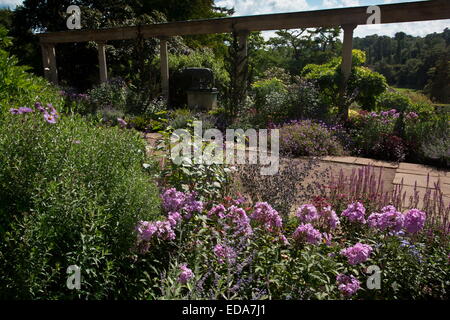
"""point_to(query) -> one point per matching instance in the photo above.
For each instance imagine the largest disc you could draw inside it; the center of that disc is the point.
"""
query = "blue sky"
(253, 7)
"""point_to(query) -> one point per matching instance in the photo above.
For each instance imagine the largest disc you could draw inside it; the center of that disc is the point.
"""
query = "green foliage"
(365, 84)
(18, 88)
(393, 100)
(70, 194)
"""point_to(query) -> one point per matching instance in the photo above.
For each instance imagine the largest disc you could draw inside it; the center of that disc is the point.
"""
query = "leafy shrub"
(70, 194)
(180, 118)
(109, 95)
(389, 147)
(18, 88)
(365, 84)
(393, 100)
(307, 138)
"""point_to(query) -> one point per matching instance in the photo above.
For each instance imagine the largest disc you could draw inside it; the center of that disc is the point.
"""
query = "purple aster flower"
(355, 212)
(358, 253)
(25, 110)
(14, 111)
(39, 107)
(186, 274)
(268, 216)
(347, 285)
(225, 253)
(52, 109)
(49, 118)
(414, 220)
(306, 232)
(307, 213)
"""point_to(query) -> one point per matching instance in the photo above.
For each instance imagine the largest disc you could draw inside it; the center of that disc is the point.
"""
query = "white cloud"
(255, 7)
(10, 3)
(412, 28)
(326, 4)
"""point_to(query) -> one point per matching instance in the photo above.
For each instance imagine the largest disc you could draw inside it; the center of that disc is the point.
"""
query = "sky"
(255, 7)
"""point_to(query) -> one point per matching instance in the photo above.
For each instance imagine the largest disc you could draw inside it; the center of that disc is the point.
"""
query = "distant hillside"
(411, 62)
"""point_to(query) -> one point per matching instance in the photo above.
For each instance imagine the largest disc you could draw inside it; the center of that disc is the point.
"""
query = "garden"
(80, 184)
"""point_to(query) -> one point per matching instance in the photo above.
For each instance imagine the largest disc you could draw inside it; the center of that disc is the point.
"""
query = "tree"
(364, 85)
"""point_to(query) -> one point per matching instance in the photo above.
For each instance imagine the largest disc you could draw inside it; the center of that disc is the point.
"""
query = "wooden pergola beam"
(390, 13)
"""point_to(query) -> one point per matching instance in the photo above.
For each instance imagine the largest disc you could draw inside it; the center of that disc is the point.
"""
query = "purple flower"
(307, 213)
(306, 232)
(218, 211)
(191, 205)
(25, 110)
(411, 115)
(389, 219)
(173, 200)
(122, 122)
(186, 274)
(240, 220)
(39, 107)
(347, 285)
(174, 218)
(355, 212)
(358, 253)
(268, 216)
(49, 118)
(414, 220)
(145, 230)
(14, 111)
(327, 237)
(225, 253)
(330, 217)
(52, 109)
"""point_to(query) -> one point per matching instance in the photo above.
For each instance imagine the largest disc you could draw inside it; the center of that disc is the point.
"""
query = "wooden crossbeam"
(390, 13)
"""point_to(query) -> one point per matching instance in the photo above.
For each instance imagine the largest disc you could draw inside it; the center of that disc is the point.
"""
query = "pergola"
(347, 18)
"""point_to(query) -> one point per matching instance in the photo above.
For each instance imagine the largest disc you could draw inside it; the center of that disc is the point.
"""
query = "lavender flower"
(173, 200)
(218, 211)
(306, 232)
(355, 212)
(414, 220)
(186, 274)
(174, 218)
(347, 285)
(330, 217)
(358, 253)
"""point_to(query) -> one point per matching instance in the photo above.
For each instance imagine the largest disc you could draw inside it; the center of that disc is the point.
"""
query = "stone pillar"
(49, 62)
(240, 70)
(164, 68)
(346, 67)
(101, 47)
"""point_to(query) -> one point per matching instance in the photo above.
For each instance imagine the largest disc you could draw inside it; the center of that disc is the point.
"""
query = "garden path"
(415, 177)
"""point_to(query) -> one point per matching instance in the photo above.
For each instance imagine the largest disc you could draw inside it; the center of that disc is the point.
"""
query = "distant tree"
(438, 86)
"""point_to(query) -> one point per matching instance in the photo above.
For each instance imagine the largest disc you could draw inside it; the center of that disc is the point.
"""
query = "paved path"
(414, 177)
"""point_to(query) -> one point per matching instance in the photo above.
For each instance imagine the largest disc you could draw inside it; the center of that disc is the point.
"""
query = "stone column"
(164, 68)
(346, 67)
(101, 47)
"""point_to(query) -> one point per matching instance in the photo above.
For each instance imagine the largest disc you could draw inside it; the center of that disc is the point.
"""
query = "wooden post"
(164, 68)
(52, 63)
(45, 61)
(101, 46)
(346, 66)
(242, 57)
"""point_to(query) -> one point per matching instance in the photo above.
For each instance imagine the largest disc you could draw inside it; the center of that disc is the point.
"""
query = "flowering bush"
(307, 138)
(248, 252)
